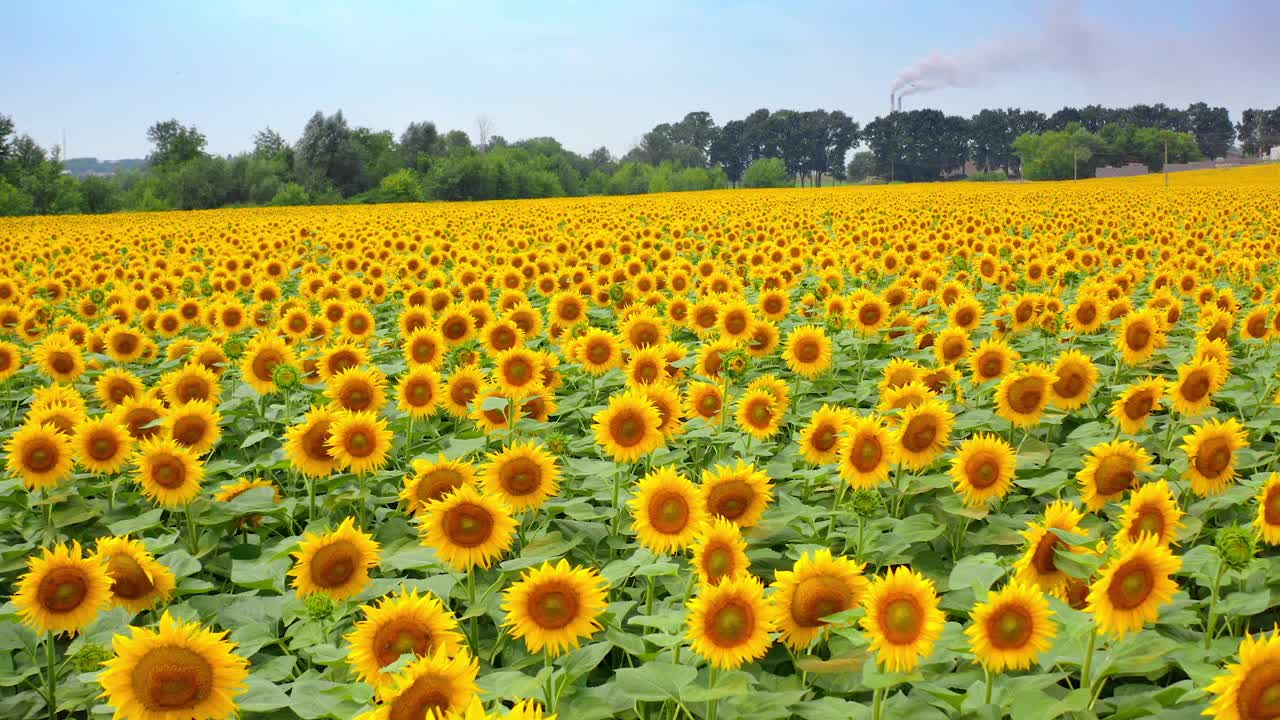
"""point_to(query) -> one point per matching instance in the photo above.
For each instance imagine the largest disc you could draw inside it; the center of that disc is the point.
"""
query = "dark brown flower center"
(172, 679)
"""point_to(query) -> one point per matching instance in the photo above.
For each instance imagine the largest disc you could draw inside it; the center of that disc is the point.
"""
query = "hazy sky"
(598, 73)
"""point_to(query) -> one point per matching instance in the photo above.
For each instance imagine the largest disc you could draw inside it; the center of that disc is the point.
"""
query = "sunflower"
(522, 475)
(357, 389)
(645, 367)
(138, 581)
(101, 445)
(1150, 510)
(336, 563)
(52, 395)
(1139, 337)
(599, 351)
(232, 490)
(306, 444)
(923, 433)
(467, 529)
(1076, 376)
(39, 455)
(667, 511)
(817, 586)
(711, 357)
(115, 385)
(193, 425)
(759, 414)
(1249, 689)
(62, 590)
(665, 398)
(983, 469)
(902, 397)
(867, 452)
(554, 607)
(1085, 315)
(359, 441)
(169, 474)
(729, 623)
(518, 373)
(339, 358)
(63, 418)
(433, 479)
(1110, 469)
(399, 624)
(462, 388)
(704, 400)
(1211, 455)
(1011, 628)
(1132, 409)
(719, 552)
(762, 339)
(807, 351)
(965, 313)
(430, 687)
(418, 392)
(951, 346)
(903, 619)
(738, 493)
(59, 358)
(991, 360)
(10, 360)
(424, 346)
(1038, 565)
(899, 372)
(180, 670)
(1132, 586)
(1197, 381)
(629, 427)
(192, 381)
(263, 354)
(819, 440)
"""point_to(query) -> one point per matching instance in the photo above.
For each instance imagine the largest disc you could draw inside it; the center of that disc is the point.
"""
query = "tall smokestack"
(899, 103)
(891, 103)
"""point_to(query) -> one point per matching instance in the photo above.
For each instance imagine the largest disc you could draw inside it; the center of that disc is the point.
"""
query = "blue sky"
(588, 73)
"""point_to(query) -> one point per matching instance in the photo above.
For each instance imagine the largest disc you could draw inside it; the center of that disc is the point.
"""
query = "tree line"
(334, 162)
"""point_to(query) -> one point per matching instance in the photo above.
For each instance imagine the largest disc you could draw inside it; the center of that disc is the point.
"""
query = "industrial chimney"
(890, 103)
(899, 103)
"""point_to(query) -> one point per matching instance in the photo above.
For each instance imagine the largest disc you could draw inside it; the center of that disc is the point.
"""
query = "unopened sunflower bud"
(1236, 546)
(867, 504)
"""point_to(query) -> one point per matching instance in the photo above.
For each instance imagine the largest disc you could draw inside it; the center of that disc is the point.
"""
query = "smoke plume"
(1063, 41)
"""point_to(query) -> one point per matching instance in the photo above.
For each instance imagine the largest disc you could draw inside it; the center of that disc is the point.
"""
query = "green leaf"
(978, 572)
(256, 437)
(262, 695)
(136, 523)
(655, 681)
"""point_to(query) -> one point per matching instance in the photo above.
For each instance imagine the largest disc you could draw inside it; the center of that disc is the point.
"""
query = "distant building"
(1274, 154)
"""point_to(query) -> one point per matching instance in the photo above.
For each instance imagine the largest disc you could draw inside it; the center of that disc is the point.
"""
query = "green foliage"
(401, 186)
(291, 194)
(861, 167)
(14, 201)
(1058, 154)
(766, 173)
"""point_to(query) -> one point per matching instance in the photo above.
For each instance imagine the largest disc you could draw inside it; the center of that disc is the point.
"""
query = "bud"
(616, 293)
(1236, 546)
(233, 347)
(867, 504)
(320, 606)
(286, 377)
(734, 363)
(90, 657)
(557, 444)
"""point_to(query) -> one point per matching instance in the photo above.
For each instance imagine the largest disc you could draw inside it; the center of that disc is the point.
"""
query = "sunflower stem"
(192, 542)
(1213, 606)
(311, 498)
(1087, 666)
(986, 695)
(473, 633)
(877, 704)
(648, 602)
(711, 684)
(49, 529)
(835, 508)
(51, 675)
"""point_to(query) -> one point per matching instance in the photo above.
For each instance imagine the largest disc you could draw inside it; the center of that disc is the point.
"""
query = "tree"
(401, 186)
(418, 143)
(378, 154)
(484, 131)
(174, 144)
(862, 166)
(328, 155)
(729, 150)
(917, 145)
(1212, 128)
(766, 173)
(1058, 154)
(269, 144)
(291, 194)
(1259, 130)
(457, 142)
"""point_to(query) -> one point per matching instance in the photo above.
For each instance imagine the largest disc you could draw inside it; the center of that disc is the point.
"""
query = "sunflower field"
(935, 451)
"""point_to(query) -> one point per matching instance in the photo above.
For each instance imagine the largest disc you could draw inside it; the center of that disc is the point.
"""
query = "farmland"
(930, 451)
